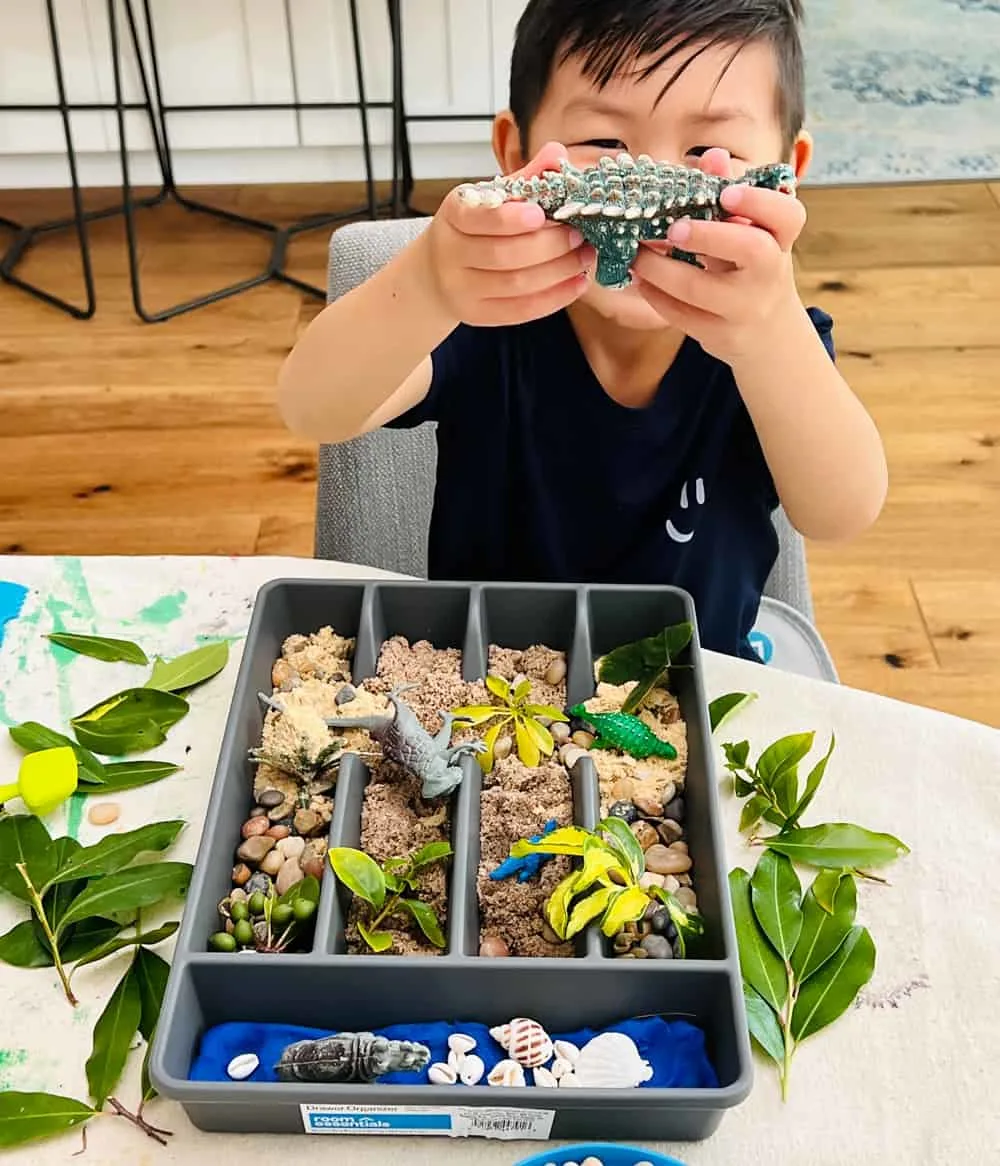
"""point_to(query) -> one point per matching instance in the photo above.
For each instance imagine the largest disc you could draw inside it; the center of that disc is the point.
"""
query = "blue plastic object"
(609, 1153)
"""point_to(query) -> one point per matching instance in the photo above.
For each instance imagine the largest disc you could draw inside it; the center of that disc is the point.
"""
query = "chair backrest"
(375, 492)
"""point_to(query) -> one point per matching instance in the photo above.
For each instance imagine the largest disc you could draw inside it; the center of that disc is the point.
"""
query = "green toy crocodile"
(626, 733)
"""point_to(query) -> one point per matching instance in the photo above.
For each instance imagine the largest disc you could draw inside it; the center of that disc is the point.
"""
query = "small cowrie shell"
(560, 1067)
(454, 1061)
(566, 1051)
(242, 1066)
(460, 1043)
(544, 1078)
(472, 1070)
(569, 1081)
(506, 1073)
(439, 1074)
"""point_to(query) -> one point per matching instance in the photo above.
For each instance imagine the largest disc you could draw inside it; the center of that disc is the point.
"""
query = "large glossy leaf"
(763, 1024)
(590, 908)
(776, 897)
(84, 937)
(26, 1117)
(723, 708)
(131, 721)
(752, 812)
(759, 962)
(812, 785)
(117, 850)
(150, 972)
(21, 948)
(626, 843)
(157, 935)
(113, 1033)
(24, 839)
(626, 907)
(838, 845)
(123, 775)
(431, 853)
(634, 661)
(360, 874)
(128, 890)
(192, 668)
(823, 932)
(425, 919)
(777, 767)
(376, 940)
(33, 737)
(598, 859)
(824, 887)
(830, 992)
(100, 647)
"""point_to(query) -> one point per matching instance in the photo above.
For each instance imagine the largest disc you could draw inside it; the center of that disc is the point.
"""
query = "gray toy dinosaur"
(404, 740)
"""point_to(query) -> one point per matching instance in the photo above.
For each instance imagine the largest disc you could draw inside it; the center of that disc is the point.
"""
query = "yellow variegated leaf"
(557, 906)
(522, 691)
(589, 909)
(499, 687)
(477, 714)
(545, 710)
(597, 861)
(489, 740)
(629, 906)
(541, 736)
(527, 749)
(565, 840)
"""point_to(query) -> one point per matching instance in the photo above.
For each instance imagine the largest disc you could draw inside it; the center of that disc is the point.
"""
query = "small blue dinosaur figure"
(527, 867)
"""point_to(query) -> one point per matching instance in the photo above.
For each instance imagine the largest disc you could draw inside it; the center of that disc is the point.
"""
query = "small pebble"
(660, 921)
(640, 953)
(657, 947)
(624, 810)
(626, 955)
(670, 831)
(549, 935)
(238, 895)
(584, 740)
(103, 814)
(271, 798)
(346, 694)
(622, 943)
(282, 675)
(663, 861)
(278, 815)
(555, 674)
(560, 732)
(645, 835)
(278, 832)
(254, 849)
(258, 812)
(649, 806)
(687, 899)
(241, 873)
(493, 947)
(290, 874)
(503, 747)
(675, 810)
(684, 880)
(671, 884)
(313, 865)
(272, 863)
(648, 880)
(623, 789)
(254, 826)
(291, 847)
(591, 1161)
(242, 1066)
(681, 846)
(570, 754)
(259, 882)
(307, 822)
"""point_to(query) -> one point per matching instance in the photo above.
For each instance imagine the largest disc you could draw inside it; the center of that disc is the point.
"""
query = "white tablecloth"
(908, 1076)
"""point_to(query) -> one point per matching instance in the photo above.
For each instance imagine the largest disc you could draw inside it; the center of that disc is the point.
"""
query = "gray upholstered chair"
(375, 492)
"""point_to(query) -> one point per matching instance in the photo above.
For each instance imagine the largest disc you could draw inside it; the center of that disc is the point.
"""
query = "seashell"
(611, 1061)
(460, 1043)
(526, 1041)
(560, 1067)
(569, 1081)
(454, 1060)
(507, 1073)
(439, 1074)
(240, 1067)
(471, 1070)
(566, 1050)
(544, 1078)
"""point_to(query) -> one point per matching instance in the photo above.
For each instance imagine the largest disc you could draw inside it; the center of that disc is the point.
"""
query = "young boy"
(638, 435)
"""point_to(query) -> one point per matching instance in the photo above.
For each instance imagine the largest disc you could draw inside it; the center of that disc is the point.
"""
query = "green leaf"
(725, 707)
(24, 839)
(83, 938)
(33, 737)
(776, 896)
(118, 850)
(21, 948)
(113, 1033)
(148, 1092)
(192, 668)
(432, 852)
(527, 748)
(360, 874)
(824, 888)
(150, 971)
(828, 994)
(626, 843)
(129, 889)
(782, 758)
(761, 966)
(838, 845)
(425, 919)
(25, 1117)
(123, 775)
(812, 785)
(376, 940)
(823, 932)
(628, 905)
(752, 812)
(654, 654)
(158, 935)
(58, 898)
(763, 1024)
(100, 647)
(521, 691)
(736, 755)
(566, 840)
(598, 859)
(499, 687)
(133, 720)
(307, 888)
(588, 909)
(742, 787)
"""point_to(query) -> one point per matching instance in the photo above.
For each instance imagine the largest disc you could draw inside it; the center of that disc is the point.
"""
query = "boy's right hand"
(506, 264)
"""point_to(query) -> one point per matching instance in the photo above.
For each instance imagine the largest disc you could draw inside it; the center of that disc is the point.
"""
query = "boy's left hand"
(748, 286)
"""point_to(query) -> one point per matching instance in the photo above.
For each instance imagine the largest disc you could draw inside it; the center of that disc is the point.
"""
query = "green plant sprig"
(533, 739)
(647, 661)
(389, 888)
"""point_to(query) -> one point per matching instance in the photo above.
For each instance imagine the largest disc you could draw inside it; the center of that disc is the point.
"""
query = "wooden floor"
(122, 437)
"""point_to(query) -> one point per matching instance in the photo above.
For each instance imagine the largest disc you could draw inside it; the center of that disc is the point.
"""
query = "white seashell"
(560, 1067)
(611, 1061)
(569, 1081)
(526, 1041)
(508, 1073)
(242, 1066)
(442, 1074)
(544, 1078)
(566, 1050)
(472, 1070)
(597, 1162)
(460, 1043)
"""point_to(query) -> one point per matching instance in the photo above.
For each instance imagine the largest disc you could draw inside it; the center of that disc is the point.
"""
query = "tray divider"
(345, 830)
(369, 642)
(463, 898)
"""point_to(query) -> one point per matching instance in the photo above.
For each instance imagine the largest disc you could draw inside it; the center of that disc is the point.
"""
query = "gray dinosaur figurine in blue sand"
(403, 739)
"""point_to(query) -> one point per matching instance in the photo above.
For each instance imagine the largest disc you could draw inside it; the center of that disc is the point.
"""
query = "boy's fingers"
(690, 285)
(510, 218)
(490, 253)
(521, 309)
(781, 215)
(716, 161)
(547, 158)
(734, 242)
(529, 281)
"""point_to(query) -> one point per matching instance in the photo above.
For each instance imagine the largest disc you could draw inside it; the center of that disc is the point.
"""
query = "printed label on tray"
(429, 1121)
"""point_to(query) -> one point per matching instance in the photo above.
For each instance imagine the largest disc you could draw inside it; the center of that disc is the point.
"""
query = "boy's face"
(708, 105)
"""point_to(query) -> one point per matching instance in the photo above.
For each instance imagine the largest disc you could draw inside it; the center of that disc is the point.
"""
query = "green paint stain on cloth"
(10, 1059)
(165, 609)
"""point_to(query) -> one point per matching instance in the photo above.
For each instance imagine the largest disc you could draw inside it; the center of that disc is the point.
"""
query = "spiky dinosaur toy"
(623, 200)
(403, 739)
(626, 733)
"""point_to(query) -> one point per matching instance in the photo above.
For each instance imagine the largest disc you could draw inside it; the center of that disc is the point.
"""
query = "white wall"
(228, 51)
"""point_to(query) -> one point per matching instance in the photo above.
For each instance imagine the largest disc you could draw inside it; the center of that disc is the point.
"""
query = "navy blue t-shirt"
(542, 477)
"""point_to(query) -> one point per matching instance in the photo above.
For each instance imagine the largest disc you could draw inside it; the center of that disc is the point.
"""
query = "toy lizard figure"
(528, 865)
(404, 740)
(624, 200)
(625, 733)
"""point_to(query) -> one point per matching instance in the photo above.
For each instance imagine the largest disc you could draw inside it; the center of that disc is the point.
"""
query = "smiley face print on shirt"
(685, 533)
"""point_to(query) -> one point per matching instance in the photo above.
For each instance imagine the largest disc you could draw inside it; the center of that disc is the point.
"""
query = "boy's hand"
(748, 287)
(506, 264)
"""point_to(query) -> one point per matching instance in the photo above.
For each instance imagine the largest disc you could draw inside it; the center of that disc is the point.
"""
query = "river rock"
(657, 947)
(584, 740)
(272, 863)
(670, 831)
(254, 826)
(492, 946)
(555, 674)
(645, 835)
(313, 858)
(271, 798)
(307, 822)
(279, 832)
(560, 732)
(675, 809)
(660, 860)
(291, 847)
(290, 874)
(241, 873)
(254, 849)
(648, 806)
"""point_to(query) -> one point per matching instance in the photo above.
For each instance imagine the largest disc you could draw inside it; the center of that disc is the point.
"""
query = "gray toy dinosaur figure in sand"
(404, 740)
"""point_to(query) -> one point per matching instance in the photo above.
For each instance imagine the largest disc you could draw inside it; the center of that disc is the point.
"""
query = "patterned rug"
(903, 90)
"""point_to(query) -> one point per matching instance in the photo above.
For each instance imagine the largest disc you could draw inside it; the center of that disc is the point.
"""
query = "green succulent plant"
(533, 739)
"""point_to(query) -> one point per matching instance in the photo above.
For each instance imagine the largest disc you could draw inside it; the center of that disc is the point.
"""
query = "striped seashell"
(526, 1041)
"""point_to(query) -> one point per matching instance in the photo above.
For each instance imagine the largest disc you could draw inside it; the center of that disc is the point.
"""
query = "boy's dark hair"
(608, 35)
